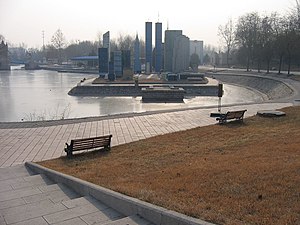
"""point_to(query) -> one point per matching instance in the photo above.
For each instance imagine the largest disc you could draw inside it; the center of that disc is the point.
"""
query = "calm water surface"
(41, 95)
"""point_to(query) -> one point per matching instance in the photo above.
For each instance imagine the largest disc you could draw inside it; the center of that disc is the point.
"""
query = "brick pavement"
(20, 145)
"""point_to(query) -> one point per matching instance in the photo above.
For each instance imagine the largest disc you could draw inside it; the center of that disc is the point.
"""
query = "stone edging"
(274, 88)
(48, 123)
(122, 203)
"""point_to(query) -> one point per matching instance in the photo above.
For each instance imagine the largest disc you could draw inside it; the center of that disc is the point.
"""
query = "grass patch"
(231, 174)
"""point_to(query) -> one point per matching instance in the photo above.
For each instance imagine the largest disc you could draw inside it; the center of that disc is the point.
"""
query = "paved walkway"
(19, 145)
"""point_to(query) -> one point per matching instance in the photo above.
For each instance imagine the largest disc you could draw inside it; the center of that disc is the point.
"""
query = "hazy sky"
(22, 21)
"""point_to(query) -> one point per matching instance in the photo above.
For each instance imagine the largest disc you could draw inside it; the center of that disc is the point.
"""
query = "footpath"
(19, 145)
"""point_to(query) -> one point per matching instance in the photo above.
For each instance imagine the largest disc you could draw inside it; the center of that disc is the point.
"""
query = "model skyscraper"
(158, 47)
(148, 46)
(137, 60)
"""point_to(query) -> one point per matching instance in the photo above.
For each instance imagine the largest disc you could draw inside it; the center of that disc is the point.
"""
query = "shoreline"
(285, 91)
(46, 123)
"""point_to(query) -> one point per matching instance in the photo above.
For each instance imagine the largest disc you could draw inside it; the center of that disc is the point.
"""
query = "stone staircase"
(33, 199)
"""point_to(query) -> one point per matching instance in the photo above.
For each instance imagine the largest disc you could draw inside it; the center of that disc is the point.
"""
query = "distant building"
(106, 42)
(137, 61)
(4, 61)
(87, 61)
(118, 70)
(111, 71)
(103, 61)
(181, 54)
(126, 59)
(196, 47)
(170, 36)
(162, 58)
(148, 46)
(158, 47)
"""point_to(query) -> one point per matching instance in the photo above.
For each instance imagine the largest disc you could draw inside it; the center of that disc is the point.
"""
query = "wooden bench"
(231, 115)
(88, 143)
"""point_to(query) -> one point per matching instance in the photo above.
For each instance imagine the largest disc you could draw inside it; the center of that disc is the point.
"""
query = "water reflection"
(30, 95)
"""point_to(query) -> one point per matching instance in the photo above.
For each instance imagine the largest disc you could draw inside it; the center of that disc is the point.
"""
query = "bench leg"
(222, 121)
(69, 153)
(107, 148)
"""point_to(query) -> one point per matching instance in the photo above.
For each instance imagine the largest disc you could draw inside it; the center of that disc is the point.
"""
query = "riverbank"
(132, 90)
(272, 87)
(69, 69)
(101, 87)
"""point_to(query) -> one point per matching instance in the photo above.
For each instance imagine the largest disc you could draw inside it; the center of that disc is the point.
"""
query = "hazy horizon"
(22, 21)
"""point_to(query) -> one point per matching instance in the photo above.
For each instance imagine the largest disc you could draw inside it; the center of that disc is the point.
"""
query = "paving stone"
(102, 216)
(5, 187)
(35, 221)
(74, 221)
(2, 221)
(79, 202)
(11, 203)
(132, 220)
(32, 181)
(33, 213)
(55, 196)
(13, 194)
(49, 188)
(26, 207)
(74, 212)
(16, 171)
(12, 181)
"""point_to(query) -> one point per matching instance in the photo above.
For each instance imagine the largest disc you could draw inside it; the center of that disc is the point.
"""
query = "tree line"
(263, 41)
(59, 49)
(253, 41)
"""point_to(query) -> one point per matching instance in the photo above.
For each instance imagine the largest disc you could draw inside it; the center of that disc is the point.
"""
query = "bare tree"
(246, 33)
(268, 38)
(227, 34)
(125, 42)
(113, 45)
(2, 38)
(58, 41)
(99, 40)
(297, 12)
(292, 41)
(81, 48)
(194, 62)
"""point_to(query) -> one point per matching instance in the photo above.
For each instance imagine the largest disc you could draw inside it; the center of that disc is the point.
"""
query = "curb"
(122, 203)
(288, 90)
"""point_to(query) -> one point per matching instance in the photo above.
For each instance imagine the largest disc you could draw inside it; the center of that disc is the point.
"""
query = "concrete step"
(130, 220)
(103, 214)
(28, 198)
(55, 192)
(14, 172)
(46, 202)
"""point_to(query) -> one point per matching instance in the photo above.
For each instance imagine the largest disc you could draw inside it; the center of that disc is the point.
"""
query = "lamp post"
(220, 94)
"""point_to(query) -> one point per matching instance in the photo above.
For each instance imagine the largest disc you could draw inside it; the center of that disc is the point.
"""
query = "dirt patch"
(230, 174)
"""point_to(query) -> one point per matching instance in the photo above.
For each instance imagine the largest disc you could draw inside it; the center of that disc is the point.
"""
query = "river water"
(42, 95)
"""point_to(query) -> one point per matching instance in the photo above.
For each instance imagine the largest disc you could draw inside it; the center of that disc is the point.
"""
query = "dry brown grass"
(231, 174)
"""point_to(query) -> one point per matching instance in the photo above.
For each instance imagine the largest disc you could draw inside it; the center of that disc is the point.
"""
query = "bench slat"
(91, 142)
(75, 148)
